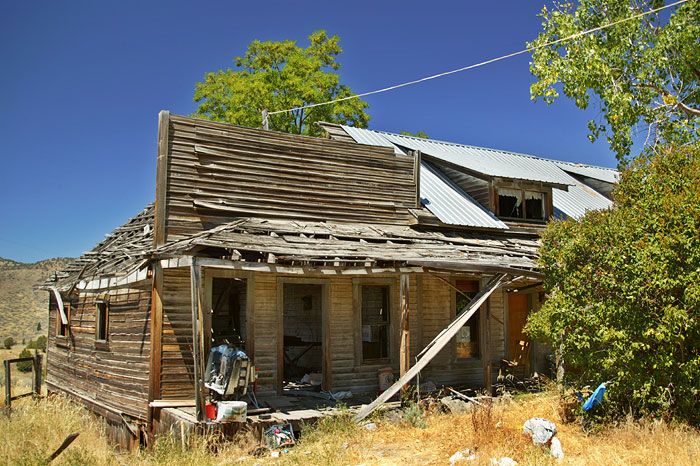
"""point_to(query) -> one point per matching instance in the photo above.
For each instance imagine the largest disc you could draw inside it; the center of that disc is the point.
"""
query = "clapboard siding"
(116, 375)
(177, 364)
(213, 172)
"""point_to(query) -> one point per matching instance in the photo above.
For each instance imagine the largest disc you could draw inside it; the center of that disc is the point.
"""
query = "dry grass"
(36, 427)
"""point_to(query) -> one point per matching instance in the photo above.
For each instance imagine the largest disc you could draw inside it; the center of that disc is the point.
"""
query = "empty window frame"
(375, 322)
(511, 205)
(467, 339)
(61, 328)
(101, 321)
(534, 205)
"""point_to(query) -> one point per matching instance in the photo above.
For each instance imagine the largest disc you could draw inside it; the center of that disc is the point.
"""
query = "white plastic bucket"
(235, 411)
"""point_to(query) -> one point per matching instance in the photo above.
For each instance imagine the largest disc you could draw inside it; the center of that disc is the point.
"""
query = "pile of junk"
(230, 377)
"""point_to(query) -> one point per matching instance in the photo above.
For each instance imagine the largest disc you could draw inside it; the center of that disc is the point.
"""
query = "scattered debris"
(543, 432)
(463, 396)
(371, 426)
(427, 387)
(464, 455)
(503, 461)
(455, 406)
(279, 435)
(540, 430)
(555, 449)
(66, 443)
(343, 395)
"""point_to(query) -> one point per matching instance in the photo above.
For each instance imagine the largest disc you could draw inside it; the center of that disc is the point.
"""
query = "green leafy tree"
(643, 72)
(419, 134)
(280, 76)
(624, 290)
(8, 343)
(40, 343)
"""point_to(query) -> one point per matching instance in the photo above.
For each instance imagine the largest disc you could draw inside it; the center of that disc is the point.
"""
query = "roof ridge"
(491, 149)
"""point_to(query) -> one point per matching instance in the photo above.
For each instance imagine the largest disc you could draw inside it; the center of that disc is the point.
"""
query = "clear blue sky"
(82, 84)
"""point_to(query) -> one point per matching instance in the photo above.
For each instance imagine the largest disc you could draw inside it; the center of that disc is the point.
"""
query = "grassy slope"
(21, 305)
(36, 427)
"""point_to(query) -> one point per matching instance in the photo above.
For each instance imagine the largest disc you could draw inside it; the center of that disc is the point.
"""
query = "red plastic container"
(210, 411)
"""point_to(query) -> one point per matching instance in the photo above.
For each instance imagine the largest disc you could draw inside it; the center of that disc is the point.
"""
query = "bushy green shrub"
(624, 290)
(25, 366)
(8, 343)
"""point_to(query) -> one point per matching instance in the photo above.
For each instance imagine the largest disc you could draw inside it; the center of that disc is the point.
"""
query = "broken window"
(101, 321)
(510, 203)
(61, 328)
(467, 345)
(375, 322)
(534, 205)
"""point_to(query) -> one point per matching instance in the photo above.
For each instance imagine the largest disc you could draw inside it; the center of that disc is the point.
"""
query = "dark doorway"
(303, 334)
(228, 318)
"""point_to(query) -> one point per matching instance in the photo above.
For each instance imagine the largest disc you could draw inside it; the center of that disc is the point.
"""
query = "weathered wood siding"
(112, 375)
(177, 370)
(211, 173)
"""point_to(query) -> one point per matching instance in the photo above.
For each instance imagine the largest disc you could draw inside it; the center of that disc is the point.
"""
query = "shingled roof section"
(119, 254)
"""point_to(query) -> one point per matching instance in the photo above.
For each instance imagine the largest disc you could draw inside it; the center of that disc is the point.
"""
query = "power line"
(476, 65)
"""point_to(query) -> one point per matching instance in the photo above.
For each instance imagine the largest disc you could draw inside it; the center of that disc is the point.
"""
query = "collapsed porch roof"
(353, 244)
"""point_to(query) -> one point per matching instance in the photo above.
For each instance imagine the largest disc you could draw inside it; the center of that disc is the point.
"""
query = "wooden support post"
(405, 348)
(154, 383)
(36, 383)
(486, 358)
(434, 347)
(8, 385)
(196, 279)
(265, 119)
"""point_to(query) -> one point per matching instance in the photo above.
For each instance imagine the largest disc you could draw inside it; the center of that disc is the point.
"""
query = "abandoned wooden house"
(336, 259)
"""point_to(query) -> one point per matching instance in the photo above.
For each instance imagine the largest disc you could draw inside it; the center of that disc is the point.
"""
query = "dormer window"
(522, 204)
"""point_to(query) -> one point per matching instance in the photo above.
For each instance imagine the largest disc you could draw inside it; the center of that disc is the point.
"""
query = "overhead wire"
(476, 65)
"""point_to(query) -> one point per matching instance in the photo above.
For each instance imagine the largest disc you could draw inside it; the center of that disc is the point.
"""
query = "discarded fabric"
(463, 455)
(371, 426)
(504, 461)
(541, 430)
(596, 398)
(555, 449)
(344, 395)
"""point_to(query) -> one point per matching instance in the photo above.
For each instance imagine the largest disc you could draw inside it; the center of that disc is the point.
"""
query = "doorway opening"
(518, 342)
(302, 336)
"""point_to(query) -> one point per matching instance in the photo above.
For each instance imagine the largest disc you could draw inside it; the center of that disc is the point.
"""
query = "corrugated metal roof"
(450, 204)
(577, 200)
(598, 173)
(453, 206)
(490, 162)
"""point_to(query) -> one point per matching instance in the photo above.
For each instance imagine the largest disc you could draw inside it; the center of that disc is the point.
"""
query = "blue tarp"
(595, 399)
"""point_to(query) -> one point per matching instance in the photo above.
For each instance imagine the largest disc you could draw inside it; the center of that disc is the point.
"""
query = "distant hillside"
(21, 305)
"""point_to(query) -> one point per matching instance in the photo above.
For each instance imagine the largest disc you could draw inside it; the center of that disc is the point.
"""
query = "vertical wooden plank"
(279, 377)
(8, 385)
(326, 338)
(357, 319)
(405, 347)
(154, 388)
(195, 279)
(160, 215)
(205, 316)
(486, 333)
(36, 383)
(418, 324)
(250, 316)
